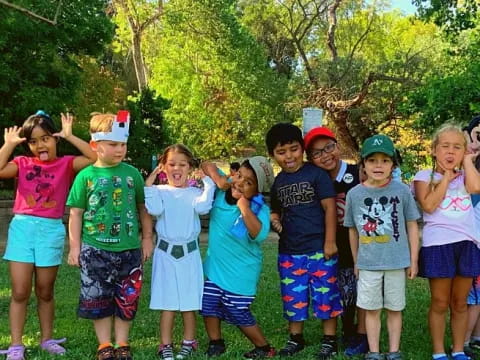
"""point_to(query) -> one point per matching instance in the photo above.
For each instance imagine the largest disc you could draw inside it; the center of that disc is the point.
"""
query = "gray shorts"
(380, 289)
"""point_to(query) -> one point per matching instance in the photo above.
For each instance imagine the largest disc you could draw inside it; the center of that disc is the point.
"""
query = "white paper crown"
(120, 128)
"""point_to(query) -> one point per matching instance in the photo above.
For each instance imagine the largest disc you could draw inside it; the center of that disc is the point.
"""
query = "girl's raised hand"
(67, 124)
(12, 135)
(470, 157)
(153, 175)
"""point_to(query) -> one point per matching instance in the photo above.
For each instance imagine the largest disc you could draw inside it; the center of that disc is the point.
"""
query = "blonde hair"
(101, 122)
(447, 127)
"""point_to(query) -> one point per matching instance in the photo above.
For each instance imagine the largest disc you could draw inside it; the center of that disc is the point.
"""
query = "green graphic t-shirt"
(109, 197)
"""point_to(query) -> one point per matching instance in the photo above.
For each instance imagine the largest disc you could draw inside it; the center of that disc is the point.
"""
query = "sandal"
(51, 346)
(14, 352)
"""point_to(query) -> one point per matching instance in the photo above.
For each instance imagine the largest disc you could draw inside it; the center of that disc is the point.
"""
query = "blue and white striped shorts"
(222, 304)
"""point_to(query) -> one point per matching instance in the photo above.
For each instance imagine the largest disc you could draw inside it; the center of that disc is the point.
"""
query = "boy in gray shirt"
(381, 216)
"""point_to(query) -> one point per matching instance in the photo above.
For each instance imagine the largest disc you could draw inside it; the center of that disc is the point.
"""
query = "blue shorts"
(35, 240)
(111, 283)
(305, 278)
(447, 261)
(474, 294)
(222, 304)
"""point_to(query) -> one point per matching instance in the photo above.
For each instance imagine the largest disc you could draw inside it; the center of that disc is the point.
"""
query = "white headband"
(120, 128)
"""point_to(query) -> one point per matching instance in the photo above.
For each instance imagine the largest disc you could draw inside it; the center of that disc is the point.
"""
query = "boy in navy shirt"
(304, 214)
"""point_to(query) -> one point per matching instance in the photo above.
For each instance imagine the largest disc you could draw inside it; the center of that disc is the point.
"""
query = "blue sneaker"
(461, 356)
(358, 346)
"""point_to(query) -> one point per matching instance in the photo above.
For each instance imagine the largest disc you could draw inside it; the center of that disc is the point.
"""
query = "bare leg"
(458, 310)
(295, 327)
(103, 329)
(44, 290)
(394, 325)
(373, 326)
(476, 330)
(122, 330)
(361, 327)
(473, 313)
(440, 289)
(212, 325)
(330, 327)
(254, 334)
(188, 325)
(166, 326)
(21, 277)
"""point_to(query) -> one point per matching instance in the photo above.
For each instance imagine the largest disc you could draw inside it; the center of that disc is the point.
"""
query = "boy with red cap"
(323, 151)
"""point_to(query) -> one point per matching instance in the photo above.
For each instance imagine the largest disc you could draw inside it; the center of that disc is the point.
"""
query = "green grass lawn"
(267, 308)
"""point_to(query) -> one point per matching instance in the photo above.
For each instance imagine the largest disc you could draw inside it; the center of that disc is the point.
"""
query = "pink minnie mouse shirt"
(454, 218)
(43, 186)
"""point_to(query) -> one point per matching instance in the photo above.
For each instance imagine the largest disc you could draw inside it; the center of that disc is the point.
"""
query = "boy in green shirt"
(106, 201)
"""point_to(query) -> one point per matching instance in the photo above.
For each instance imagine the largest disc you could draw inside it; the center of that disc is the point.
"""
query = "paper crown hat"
(120, 128)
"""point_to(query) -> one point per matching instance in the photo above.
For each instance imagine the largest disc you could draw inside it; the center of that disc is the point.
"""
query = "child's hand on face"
(67, 124)
(470, 157)
(243, 203)
(449, 173)
(12, 136)
(473, 148)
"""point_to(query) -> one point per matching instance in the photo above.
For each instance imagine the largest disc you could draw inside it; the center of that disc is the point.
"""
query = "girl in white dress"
(177, 274)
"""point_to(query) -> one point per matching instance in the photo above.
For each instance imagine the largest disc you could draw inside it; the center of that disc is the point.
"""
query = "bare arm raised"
(12, 140)
(89, 156)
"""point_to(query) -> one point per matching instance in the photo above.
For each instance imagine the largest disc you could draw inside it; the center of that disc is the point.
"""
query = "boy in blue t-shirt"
(304, 214)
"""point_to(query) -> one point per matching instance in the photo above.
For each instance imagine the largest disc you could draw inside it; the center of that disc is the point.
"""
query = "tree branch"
(157, 15)
(32, 14)
(332, 25)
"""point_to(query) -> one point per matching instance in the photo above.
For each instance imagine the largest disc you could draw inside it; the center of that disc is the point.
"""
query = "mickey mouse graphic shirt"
(380, 216)
(43, 186)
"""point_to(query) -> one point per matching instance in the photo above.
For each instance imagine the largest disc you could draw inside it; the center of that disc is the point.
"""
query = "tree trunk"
(140, 70)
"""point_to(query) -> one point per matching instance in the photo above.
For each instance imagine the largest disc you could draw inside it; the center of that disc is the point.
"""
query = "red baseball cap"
(317, 132)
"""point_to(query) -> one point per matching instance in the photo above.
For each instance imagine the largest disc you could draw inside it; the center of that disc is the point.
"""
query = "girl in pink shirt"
(36, 234)
(449, 256)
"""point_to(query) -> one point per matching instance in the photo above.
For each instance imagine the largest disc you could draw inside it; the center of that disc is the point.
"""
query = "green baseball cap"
(378, 143)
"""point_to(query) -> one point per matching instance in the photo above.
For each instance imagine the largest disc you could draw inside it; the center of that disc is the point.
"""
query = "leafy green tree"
(224, 95)
(37, 60)
(353, 60)
(147, 128)
(452, 15)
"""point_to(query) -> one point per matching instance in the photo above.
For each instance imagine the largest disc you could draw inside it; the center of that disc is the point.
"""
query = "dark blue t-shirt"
(296, 197)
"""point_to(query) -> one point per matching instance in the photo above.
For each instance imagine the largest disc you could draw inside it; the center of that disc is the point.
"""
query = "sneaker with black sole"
(328, 350)
(259, 353)
(469, 351)
(475, 344)
(291, 348)
(187, 349)
(165, 351)
(215, 348)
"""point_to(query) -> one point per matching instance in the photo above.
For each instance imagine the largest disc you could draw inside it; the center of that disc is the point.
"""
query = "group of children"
(348, 238)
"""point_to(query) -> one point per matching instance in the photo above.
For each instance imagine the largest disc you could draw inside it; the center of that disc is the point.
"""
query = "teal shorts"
(35, 240)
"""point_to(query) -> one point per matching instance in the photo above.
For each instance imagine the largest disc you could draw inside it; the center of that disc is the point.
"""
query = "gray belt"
(177, 251)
